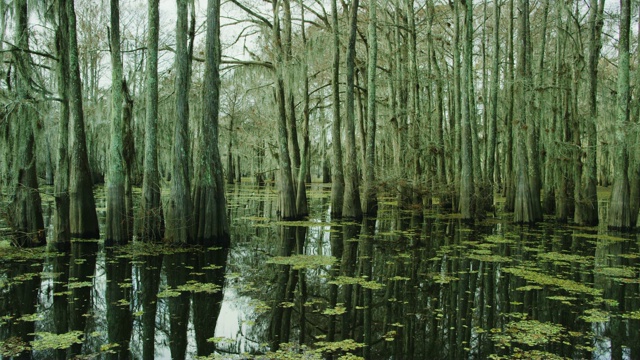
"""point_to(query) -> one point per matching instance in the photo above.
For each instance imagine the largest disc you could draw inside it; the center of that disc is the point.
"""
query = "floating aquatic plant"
(49, 341)
(548, 280)
(303, 261)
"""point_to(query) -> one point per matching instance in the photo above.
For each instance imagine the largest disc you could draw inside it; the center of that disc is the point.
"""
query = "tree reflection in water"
(403, 285)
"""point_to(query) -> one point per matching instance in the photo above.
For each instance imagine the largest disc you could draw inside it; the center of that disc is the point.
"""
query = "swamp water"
(408, 286)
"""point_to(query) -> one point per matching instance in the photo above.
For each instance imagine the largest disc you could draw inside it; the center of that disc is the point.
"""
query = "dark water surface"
(407, 285)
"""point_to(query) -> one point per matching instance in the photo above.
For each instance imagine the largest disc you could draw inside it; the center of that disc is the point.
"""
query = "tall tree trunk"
(467, 186)
(370, 206)
(457, 103)
(302, 205)
(351, 208)
(62, 232)
(619, 208)
(152, 228)
(337, 176)
(634, 171)
(532, 121)
(230, 171)
(116, 230)
(210, 206)
(510, 180)
(180, 209)
(288, 209)
(525, 210)
(82, 207)
(290, 105)
(495, 85)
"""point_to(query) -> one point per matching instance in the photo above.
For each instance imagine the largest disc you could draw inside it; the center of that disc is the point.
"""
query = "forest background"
(527, 105)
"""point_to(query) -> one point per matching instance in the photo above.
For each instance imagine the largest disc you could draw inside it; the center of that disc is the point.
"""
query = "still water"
(407, 285)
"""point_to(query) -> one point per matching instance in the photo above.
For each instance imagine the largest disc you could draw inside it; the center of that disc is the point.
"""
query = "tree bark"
(210, 207)
(493, 120)
(619, 208)
(337, 176)
(26, 220)
(61, 225)
(116, 229)
(302, 205)
(525, 210)
(152, 228)
(467, 185)
(82, 209)
(180, 209)
(351, 208)
(510, 187)
(370, 206)
(288, 209)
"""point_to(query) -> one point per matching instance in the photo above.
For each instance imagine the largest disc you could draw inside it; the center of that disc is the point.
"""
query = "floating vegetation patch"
(259, 306)
(221, 340)
(595, 316)
(335, 346)
(49, 341)
(548, 280)
(255, 218)
(528, 332)
(476, 255)
(563, 259)
(529, 355)
(13, 346)
(529, 288)
(616, 272)
(338, 310)
(632, 315)
(603, 237)
(304, 223)
(303, 261)
(79, 284)
(138, 248)
(563, 299)
(12, 253)
(167, 293)
(31, 317)
(348, 280)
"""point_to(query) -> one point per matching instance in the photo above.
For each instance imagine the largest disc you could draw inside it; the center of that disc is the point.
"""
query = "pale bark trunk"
(302, 205)
(288, 209)
(351, 208)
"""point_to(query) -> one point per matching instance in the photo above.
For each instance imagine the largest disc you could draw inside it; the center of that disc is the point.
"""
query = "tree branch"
(29, 51)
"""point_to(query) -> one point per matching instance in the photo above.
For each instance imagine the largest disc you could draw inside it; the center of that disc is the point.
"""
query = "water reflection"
(18, 302)
(82, 265)
(403, 285)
